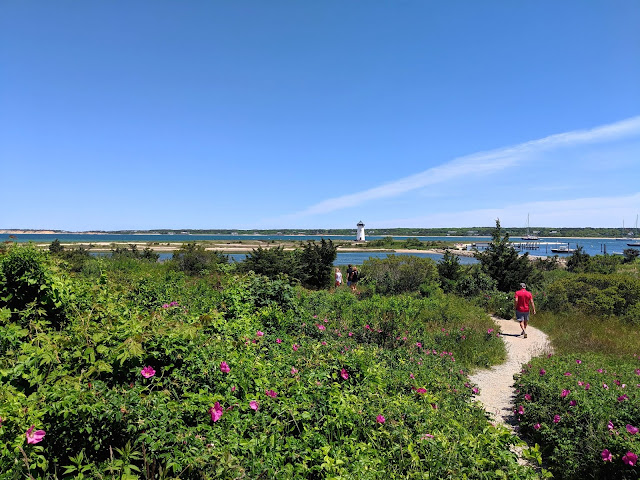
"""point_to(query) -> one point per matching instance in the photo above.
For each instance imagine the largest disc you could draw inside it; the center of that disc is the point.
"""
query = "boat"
(528, 236)
(635, 243)
(563, 250)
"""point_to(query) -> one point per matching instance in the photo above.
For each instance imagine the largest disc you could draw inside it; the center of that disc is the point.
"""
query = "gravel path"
(496, 383)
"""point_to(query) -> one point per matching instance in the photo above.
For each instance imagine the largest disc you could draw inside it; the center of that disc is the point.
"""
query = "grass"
(577, 333)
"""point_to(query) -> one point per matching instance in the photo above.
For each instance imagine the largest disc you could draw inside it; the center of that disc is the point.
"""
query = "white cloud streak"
(476, 164)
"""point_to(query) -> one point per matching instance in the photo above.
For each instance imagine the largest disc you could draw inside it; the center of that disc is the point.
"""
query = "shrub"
(271, 262)
(576, 407)
(594, 293)
(209, 384)
(194, 259)
(28, 288)
(398, 273)
(630, 255)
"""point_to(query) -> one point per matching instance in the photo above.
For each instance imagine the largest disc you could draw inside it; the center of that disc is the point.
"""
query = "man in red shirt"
(522, 301)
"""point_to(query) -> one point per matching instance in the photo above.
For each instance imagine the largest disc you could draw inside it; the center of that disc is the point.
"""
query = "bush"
(311, 266)
(594, 293)
(241, 382)
(578, 407)
(28, 288)
(398, 273)
(630, 255)
(271, 262)
(194, 259)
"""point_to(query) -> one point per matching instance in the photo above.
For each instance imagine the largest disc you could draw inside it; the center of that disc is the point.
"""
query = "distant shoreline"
(547, 239)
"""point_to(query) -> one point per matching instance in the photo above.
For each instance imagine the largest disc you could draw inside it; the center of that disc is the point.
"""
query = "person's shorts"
(348, 283)
(338, 283)
(522, 316)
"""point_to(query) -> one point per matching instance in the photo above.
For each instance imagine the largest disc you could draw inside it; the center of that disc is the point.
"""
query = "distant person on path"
(354, 279)
(349, 271)
(523, 300)
(338, 277)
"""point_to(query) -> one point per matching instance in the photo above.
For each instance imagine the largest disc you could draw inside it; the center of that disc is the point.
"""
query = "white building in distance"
(360, 234)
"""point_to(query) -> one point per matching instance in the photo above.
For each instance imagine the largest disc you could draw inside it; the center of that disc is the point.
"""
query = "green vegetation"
(503, 264)
(409, 243)
(196, 368)
(584, 411)
(311, 265)
(399, 274)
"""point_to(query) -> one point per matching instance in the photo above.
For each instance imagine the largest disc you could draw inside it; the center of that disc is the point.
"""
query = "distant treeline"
(422, 232)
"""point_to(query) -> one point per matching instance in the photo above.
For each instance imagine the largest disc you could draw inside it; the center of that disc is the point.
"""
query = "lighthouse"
(360, 234)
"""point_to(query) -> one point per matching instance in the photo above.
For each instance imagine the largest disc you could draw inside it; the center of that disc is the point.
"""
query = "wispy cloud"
(474, 165)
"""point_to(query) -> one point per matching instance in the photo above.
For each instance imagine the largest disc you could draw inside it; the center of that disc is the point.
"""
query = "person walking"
(523, 303)
(338, 277)
(349, 271)
(354, 279)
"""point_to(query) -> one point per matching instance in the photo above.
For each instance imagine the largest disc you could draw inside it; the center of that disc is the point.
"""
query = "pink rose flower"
(294, 370)
(147, 372)
(606, 455)
(380, 419)
(537, 426)
(421, 390)
(216, 412)
(259, 333)
(344, 374)
(630, 459)
(224, 367)
(271, 393)
(254, 405)
(34, 437)
(556, 418)
(631, 429)
(295, 347)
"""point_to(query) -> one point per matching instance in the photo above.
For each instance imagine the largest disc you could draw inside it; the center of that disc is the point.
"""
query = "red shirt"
(523, 297)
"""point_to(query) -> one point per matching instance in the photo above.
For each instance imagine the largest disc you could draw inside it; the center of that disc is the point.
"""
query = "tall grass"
(578, 333)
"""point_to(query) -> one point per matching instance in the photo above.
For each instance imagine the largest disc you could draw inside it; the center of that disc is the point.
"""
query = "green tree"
(578, 261)
(449, 271)
(630, 254)
(315, 263)
(502, 263)
(56, 247)
(194, 259)
(271, 262)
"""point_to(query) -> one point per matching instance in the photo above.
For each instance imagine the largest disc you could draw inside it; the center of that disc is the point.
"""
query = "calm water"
(591, 246)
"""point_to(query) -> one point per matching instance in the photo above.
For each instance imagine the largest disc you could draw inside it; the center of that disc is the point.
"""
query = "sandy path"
(496, 383)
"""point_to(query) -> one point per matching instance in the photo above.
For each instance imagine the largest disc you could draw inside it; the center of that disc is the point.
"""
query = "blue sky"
(301, 114)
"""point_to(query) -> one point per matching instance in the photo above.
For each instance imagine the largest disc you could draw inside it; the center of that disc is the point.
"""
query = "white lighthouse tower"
(360, 234)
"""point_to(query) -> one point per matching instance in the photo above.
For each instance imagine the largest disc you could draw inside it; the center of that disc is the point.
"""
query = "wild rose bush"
(232, 377)
(584, 411)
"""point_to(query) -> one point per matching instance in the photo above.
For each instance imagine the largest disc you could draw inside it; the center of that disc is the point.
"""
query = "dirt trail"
(496, 383)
